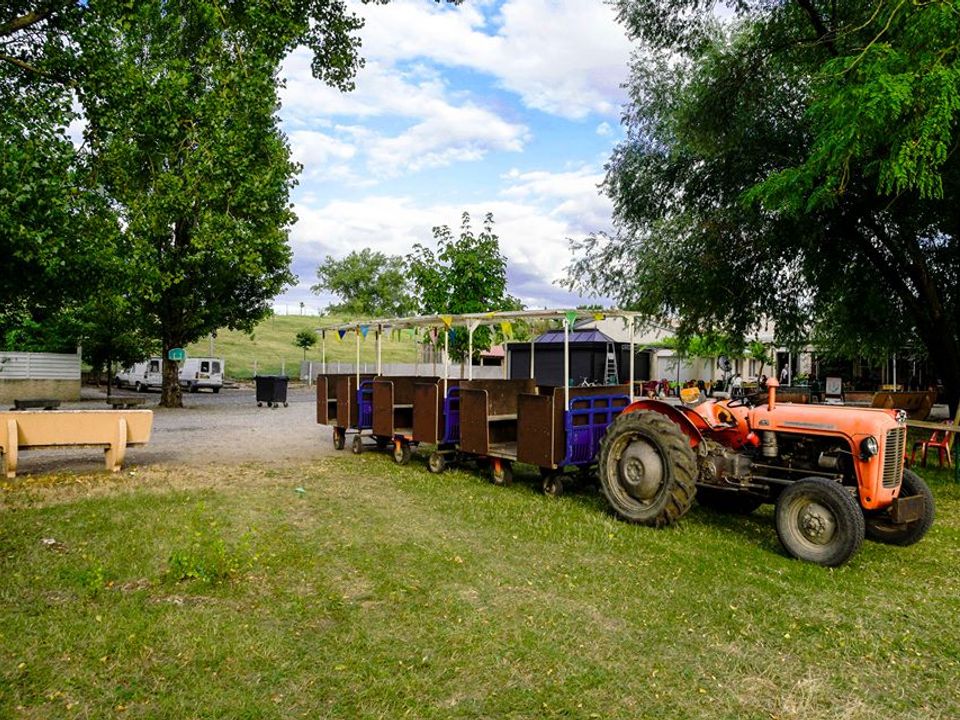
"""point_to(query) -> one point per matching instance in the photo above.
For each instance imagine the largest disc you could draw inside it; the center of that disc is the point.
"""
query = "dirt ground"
(226, 428)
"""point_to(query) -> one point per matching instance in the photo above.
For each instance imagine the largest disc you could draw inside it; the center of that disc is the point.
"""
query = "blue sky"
(507, 106)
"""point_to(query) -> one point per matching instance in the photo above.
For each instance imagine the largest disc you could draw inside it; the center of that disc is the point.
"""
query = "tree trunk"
(171, 396)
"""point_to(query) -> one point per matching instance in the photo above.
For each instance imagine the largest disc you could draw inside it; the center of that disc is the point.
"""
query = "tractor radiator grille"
(893, 451)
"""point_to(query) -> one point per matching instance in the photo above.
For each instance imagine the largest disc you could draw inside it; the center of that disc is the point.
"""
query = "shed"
(590, 351)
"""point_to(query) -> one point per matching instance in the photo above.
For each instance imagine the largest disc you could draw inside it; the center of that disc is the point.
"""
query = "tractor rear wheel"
(819, 521)
(727, 501)
(647, 469)
(882, 529)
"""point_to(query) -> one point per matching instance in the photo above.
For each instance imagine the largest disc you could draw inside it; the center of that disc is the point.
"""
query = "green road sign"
(177, 354)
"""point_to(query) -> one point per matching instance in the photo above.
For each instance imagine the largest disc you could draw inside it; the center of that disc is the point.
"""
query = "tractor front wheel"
(882, 529)
(647, 469)
(819, 521)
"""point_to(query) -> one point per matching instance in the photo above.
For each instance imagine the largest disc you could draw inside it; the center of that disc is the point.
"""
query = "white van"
(198, 373)
(141, 376)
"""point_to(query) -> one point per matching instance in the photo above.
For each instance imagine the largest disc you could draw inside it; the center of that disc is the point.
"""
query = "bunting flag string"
(447, 320)
(341, 332)
(364, 329)
(571, 317)
(598, 316)
(506, 328)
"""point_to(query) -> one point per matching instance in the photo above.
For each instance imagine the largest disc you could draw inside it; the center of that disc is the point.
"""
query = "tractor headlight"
(868, 448)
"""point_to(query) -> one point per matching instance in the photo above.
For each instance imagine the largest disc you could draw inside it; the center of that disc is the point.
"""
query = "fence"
(25, 375)
(311, 368)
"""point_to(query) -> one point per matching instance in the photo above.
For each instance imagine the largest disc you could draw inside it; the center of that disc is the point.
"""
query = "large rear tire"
(819, 521)
(882, 529)
(647, 469)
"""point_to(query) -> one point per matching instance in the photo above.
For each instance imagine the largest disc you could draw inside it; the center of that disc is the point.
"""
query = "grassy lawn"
(271, 345)
(357, 588)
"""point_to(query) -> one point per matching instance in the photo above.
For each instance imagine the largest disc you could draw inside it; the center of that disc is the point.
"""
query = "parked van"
(141, 376)
(198, 373)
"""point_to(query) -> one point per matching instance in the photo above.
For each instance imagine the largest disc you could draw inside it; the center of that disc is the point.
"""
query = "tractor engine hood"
(824, 420)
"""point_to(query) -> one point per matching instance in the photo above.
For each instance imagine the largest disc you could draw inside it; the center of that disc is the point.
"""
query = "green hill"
(270, 346)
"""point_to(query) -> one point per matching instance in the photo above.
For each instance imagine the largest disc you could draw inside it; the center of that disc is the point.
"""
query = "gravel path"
(227, 428)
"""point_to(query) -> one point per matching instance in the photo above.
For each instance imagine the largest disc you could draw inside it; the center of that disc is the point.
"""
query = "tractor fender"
(689, 423)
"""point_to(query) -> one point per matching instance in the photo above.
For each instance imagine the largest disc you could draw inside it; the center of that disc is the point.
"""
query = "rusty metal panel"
(474, 430)
(383, 393)
(427, 417)
(536, 430)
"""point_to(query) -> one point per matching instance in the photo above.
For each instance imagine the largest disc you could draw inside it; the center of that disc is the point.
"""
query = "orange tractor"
(836, 474)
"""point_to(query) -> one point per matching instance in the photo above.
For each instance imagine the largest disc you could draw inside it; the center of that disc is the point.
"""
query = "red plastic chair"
(939, 440)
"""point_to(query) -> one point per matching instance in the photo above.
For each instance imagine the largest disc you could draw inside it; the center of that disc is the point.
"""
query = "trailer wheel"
(647, 469)
(339, 439)
(882, 529)
(401, 453)
(436, 463)
(819, 521)
(356, 447)
(216, 390)
(552, 484)
(259, 404)
(501, 472)
(138, 387)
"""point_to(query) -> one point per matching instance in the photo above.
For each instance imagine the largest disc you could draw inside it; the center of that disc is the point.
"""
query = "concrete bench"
(38, 404)
(125, 403)
(113, 429)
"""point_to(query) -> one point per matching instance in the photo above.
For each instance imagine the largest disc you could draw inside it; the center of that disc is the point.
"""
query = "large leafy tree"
(466, 274)
(368, 282)
(181, 140)
(51, 267)
(799, 164)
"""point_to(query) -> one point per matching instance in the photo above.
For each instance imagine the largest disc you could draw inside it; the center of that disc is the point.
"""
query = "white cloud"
(533, 240)
(604, 129)
(436, 131)
(574, 197)
(567, 58)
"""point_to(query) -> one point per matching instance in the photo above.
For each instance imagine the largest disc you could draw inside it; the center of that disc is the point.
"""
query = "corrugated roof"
(576, 336)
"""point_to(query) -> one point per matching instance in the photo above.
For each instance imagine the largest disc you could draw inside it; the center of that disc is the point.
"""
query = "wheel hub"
(640, 470)
(817, 523)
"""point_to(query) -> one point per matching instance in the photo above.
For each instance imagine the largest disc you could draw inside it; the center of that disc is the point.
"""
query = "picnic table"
(948, 428)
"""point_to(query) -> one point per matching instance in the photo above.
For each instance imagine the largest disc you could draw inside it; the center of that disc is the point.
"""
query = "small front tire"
(819, 521)
(356, 447)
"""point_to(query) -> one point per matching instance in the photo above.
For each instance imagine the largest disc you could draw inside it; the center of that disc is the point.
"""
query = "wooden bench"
(114, 429)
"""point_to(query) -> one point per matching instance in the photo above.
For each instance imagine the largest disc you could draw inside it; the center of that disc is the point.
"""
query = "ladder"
(610, 375)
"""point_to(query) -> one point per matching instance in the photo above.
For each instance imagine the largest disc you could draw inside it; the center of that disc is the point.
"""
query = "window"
(216, 367)
(205, 366)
